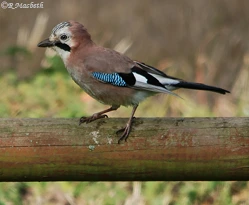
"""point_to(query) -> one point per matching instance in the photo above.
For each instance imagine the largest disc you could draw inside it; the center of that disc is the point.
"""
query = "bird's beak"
(46, 43)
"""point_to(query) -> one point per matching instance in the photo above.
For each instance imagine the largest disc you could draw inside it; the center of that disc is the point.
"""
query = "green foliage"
(16, 50)
(56, 65)
(154, 193)
(46, 95)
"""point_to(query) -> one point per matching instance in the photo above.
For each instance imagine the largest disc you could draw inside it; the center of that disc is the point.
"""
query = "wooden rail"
(157, 149)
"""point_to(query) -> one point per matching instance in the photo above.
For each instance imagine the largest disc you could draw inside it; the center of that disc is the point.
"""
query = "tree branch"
(157, 149)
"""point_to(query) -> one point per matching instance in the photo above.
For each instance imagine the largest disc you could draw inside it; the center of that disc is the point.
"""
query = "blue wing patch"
(112, 78)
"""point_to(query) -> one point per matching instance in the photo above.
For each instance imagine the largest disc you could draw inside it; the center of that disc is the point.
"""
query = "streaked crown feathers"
(60, 25)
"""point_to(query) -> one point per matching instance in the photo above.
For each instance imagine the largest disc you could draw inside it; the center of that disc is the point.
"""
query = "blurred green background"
(196, 40)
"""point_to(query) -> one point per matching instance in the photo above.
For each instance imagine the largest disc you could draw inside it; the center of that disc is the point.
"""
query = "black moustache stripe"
(63, 46)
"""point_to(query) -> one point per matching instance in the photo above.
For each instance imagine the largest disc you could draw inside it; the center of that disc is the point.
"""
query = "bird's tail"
(200, 86)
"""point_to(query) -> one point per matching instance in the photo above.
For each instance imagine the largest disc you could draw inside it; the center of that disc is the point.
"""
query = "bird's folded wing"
(111, 67)
(137, 79)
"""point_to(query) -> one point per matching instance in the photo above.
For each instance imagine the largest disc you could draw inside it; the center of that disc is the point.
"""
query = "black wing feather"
(153, 70)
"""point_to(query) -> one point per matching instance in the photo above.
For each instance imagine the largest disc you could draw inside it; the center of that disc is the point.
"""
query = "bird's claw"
(92, 118)
(126, 131)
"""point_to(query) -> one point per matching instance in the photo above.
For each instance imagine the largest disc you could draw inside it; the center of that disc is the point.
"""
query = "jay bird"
(108, 76)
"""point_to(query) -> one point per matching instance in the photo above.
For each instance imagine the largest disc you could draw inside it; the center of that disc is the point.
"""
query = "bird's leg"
(97, 115)
(127, 129)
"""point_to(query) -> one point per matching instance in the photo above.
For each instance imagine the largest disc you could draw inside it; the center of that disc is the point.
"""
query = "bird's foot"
(91, 118)
(125, 131)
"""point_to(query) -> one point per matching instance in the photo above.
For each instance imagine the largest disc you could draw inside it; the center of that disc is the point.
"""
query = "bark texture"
(157, 149)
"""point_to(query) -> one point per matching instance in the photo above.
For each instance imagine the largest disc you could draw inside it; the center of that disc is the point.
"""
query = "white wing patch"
(140, 78)
(153, 88)
(164, 80)
(142, 83)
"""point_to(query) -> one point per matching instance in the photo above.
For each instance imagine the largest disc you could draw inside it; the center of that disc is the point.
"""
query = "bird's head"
(66, 37)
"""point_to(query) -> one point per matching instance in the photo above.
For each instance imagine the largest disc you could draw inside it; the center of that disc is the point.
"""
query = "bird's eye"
(63, 37)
